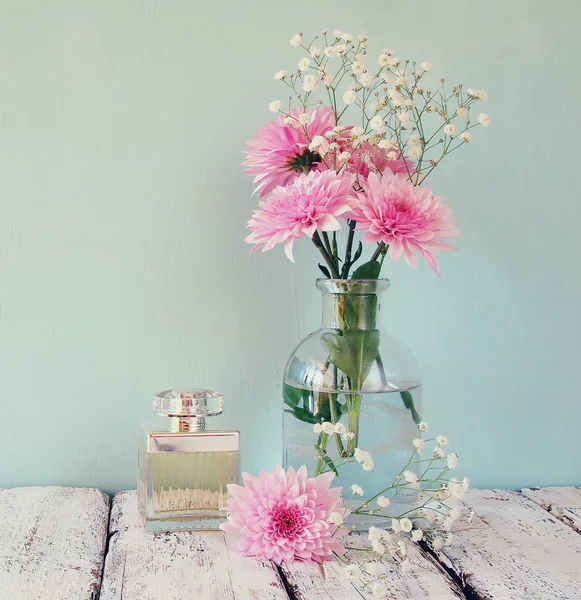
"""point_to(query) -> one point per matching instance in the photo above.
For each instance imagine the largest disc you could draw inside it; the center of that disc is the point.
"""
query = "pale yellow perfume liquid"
(191, 482)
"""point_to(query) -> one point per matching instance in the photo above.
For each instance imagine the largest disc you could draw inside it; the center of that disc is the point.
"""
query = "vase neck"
(351, 304)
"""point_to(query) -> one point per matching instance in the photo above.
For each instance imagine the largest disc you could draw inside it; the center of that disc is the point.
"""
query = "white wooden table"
(70, 544)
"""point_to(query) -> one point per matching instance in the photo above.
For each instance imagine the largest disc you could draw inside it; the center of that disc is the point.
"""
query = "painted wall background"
(123, 208)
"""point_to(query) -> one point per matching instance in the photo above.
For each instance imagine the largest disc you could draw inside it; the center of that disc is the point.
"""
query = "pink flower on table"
(312, 202)
(406, 217)
(280, 150)
(285, 515)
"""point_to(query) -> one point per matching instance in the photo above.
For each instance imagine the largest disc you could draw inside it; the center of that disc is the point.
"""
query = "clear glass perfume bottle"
(183, 473)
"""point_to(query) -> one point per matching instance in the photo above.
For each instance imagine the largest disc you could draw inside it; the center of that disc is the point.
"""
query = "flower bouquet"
(346, 164)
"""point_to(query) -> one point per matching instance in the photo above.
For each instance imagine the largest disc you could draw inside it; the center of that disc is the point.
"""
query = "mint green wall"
(123, 208)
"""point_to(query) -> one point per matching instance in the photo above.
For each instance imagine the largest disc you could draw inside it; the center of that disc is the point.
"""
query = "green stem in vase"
(354, 413)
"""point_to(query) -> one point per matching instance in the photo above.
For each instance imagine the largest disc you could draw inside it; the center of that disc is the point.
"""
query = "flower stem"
(380, 248)
(348, 250)
(328, 259)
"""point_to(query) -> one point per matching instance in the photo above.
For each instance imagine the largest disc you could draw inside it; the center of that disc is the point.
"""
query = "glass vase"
(353, 374)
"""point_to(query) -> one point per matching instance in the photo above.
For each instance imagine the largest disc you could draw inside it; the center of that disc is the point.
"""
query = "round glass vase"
(353, 374)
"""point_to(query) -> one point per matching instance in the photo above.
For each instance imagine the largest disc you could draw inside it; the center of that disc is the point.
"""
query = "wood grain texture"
(514, 550)
(562, 502)
(425, 581)
(52, 543)
(175, 566)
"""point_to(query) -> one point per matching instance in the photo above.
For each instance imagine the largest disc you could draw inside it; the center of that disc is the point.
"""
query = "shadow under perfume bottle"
(183, 473)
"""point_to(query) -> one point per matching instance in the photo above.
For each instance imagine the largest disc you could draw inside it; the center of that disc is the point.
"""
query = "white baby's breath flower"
(328, 428)
(328, 79)
(331, 51)
(400, 80)
(356, 490)
(338, 33)
(341, 49)
(423, 426)
(275, 106)
(374, 569)
(396, 98)
(362, 38)
(280, 74)
(452, 461)
(315, 51)
(339, 427)
(414, 139)
(304, 118)
(388, 51)
(344, 157)
(386, 77)
(461, 111)
(376, 123)
(405, 524)
(309, 83)
(356, 132)
(484, 119)
(395, 526)
(378, 589)
(332, 147)
(442, 440)
(383, 502)
(415, 152)
(450, 129)
(455, 514)
(417, 535)
(315, 144)
(391, 155)
(387, 144)
(401, 548)
(352, 571)
(374, 534)
(465, 484)
(358, 67)
(437, 543)
(290, 120)
(426, 66)
(384, 60)
(368, 465)
(366, 79)
(375, 107)
(336, 518)
(447, 523)
(378, 547)
(439, 453)
(304, 64)
(359, 455)
(431, 517)
(403, 117)
(339, 128)
(466, 136)
(409, 476)
(395, 61)
(296, 40)
(409, 103)
(480, 94)
(348, 37)
(349, 96)
(418, 443)
(317, 428)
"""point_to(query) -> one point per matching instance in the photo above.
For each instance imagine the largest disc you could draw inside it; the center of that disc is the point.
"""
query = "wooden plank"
(425, 581)
(52, 543)
(562, 502)
(197, 565)
(513, 549)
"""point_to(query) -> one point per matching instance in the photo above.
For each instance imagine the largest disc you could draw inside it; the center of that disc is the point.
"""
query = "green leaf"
(353, 351)
(306, 416)
(325, 271)
(330, 464)
(358, 253)
(368, 270)
(408, 402)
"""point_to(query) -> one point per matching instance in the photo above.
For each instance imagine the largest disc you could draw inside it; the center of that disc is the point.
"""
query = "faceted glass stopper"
(188, 403)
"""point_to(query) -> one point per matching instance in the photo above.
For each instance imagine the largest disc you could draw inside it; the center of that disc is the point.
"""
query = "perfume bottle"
(183, 472)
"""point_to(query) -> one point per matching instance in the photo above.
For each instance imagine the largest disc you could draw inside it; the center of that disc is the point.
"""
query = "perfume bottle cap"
(188, 403)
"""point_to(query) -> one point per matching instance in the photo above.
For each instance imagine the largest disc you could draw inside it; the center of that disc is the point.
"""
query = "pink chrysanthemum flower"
(369, 158)
(310, 203)
(285, 516)
(280, 150)
(406, 217)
